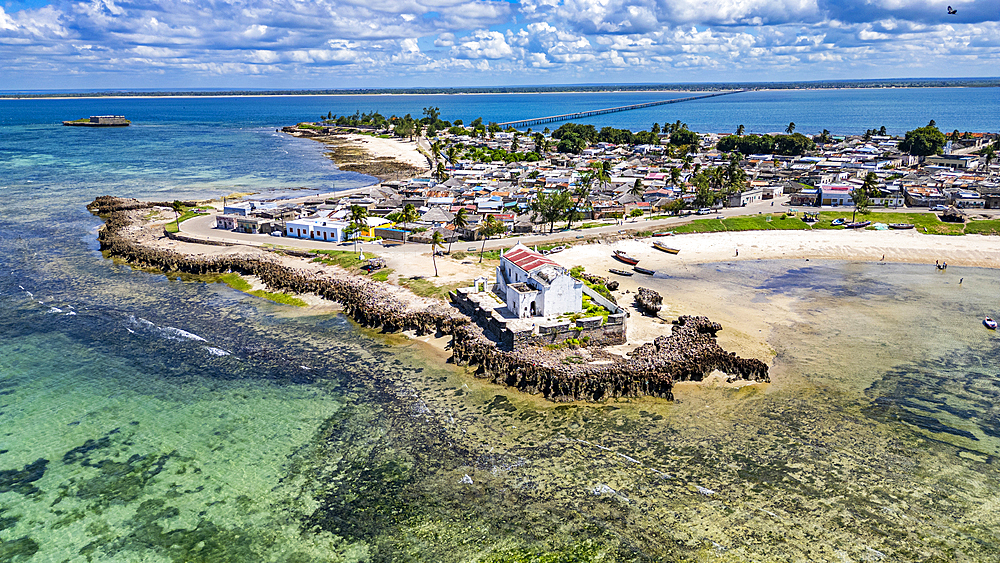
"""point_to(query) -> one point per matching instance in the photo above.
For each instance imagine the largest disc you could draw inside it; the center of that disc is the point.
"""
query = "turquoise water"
(144, 418)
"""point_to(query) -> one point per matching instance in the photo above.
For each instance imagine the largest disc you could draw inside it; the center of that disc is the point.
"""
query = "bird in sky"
(952, 11)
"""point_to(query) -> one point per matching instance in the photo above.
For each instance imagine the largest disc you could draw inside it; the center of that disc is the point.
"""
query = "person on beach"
(737, 252)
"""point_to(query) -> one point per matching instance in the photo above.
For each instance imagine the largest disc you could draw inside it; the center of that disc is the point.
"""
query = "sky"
(292, 44)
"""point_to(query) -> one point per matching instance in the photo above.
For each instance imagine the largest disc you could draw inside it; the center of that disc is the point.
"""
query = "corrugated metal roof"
(527, 260)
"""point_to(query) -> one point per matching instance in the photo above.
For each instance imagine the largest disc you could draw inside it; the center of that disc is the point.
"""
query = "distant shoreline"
(578, 89)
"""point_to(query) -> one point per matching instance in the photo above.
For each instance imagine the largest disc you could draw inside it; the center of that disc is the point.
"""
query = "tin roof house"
(533, 285)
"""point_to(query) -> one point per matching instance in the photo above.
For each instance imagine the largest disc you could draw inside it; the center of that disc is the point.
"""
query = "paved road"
(203, 227)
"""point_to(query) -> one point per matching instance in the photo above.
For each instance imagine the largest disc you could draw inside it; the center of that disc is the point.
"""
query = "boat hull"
(665, 248)
(626, 259)
(642, 270)
(620, 272)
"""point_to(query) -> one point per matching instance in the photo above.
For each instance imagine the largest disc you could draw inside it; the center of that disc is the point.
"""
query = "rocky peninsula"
(688, 353)
(383, 158)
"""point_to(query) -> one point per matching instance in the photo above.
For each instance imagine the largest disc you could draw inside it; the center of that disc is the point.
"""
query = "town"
(482, 181)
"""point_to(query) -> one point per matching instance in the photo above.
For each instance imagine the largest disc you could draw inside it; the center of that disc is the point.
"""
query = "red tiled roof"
(528, 260)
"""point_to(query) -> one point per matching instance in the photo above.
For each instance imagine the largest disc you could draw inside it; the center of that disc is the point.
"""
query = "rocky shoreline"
(352, 157)
(689, 353)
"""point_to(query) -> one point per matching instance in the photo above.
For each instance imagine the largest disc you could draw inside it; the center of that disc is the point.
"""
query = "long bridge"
(568, 116)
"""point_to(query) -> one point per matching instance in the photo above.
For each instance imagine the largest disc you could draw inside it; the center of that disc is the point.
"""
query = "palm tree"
(436, 240)
(740, 130)
(490, 227)
(408, 214)
(637, 190)
(357, 222)
(675, 175)
(460, 221)
(452, 152)
(436, 150)
(791, 128)
(988, 154)
(862, 196)
(440, 172)
(178, 208)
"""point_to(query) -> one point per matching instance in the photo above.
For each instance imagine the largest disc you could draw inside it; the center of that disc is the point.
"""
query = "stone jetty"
(689, 352)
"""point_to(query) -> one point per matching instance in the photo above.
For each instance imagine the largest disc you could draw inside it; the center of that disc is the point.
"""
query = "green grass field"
(983, 227)
(189, 213)
(346, 259)
(237, 282)
(923, 222)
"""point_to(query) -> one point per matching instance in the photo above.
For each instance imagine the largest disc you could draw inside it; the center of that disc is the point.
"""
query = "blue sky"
(96, 44)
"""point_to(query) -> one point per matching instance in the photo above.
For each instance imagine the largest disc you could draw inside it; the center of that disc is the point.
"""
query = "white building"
(534, 286)
(316, 229)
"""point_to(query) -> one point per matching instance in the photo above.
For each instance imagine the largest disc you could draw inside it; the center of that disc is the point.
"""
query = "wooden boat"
(990, 323)
(642, 270)
(838, 221)
(554, 250)
(858, 225)
(620, 272)
(900, 225)
(663, 234)
(669, 250)
(622, 257)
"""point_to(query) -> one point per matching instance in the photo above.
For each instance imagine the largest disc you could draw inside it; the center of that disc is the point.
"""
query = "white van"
(704, 211)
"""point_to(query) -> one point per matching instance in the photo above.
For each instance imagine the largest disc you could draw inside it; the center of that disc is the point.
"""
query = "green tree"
(551, 207)
(923, 141)
(684, 136)
(791, 128)
(437, 240)
(675, 176)
(357, 222)
(178, 208)
(452, 153)
(460, 221)
(441, 173)
(740, 130)
(490, 227)
(988, 154)
(861, 196)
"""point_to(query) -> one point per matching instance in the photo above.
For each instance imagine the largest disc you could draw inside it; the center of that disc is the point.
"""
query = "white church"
(535, 286)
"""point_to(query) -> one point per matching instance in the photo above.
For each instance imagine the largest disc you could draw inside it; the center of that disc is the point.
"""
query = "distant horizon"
(915, 82)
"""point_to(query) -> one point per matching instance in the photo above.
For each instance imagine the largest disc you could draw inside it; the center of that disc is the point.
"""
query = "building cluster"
(643, 179)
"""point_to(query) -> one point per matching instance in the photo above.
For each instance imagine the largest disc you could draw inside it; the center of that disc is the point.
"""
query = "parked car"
(277, 234)
(939, 208)
(704, 211)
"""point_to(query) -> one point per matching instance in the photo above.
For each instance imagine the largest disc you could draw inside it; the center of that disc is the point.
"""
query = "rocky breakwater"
(369, 302)
(563, 374)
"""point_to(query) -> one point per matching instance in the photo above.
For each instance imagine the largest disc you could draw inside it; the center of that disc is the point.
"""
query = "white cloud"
(488, 41)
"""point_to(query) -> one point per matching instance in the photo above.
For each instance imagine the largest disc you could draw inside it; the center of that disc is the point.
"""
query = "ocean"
(147, 417)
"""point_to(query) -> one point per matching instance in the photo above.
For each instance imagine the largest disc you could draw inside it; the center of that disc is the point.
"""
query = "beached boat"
(620, 272)
(642, 270)
(663, 234)
(838, 221)
(668, 249)
(900, 225)
(858, 225)
(554, 250)
(990, 323)
(622, 257)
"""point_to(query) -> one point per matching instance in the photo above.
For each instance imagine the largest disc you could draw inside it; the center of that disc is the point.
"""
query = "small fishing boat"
(620, 272)
(838, 221)
(663, 234)
(900, 225)
(554, 250)
(990, 323)
(642, 270)
(668, 249)
(858, 225)
(622, 257)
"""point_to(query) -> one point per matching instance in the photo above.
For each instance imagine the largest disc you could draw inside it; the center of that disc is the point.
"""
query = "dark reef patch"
(21, 480)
